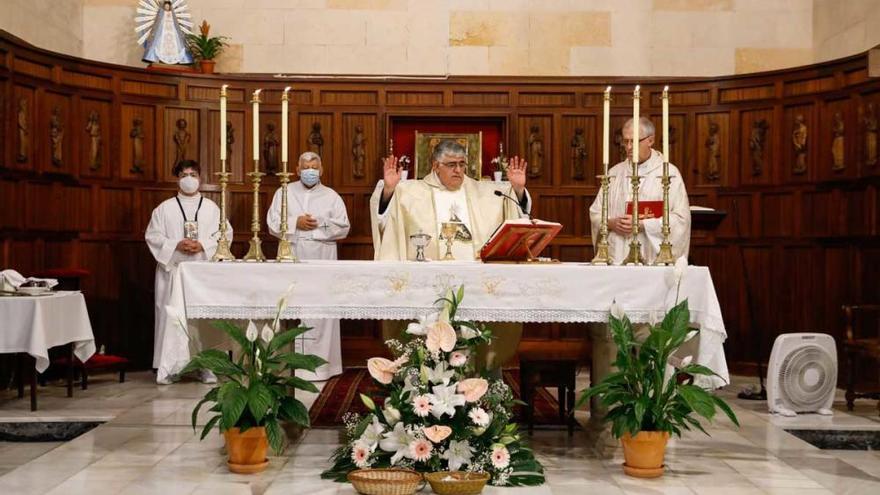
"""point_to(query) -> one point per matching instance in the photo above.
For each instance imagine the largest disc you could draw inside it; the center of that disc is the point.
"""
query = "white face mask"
(189, 184)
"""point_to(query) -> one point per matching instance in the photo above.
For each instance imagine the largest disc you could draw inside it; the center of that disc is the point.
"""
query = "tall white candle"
(635, 129)
(223, 127)
(284, 103)
(606, 128)
(256, 102)
(666, 124)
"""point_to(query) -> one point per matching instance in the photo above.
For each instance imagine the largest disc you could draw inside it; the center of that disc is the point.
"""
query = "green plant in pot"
(206, 48)
(253, 396)
(645, 402)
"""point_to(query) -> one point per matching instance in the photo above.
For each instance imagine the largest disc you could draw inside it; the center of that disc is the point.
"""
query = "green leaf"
(195, 413)
(234, 332)
(232, 403)
(297, 361)
(275, 435)
(218, 362)
(282, 339)
(259, 400)
(725, 408)
(208, 426)
(295, 411)
(299, 383)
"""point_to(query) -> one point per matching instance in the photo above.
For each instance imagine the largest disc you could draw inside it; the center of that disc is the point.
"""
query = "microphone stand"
(750, 393)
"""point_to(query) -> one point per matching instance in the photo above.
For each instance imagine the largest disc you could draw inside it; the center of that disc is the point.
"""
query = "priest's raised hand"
(390, 175)
(516, 174)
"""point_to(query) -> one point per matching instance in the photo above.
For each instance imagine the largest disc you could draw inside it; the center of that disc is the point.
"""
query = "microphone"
(518, 206)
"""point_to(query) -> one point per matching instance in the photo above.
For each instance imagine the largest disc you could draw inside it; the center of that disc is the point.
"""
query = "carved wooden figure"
(837, 142)
(536, 152)
(578, 154)
(870, 122)
(799, 143)
(270, 148)
(93, 128)
(182, 139)
(137, 146)
(24, 138)
(315, 140)
(358, 151)
(56, 137)
(713, 148)
(757, 142)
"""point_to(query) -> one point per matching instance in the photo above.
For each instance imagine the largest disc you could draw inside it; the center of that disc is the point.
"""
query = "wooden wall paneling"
(12, 205)
(115, 212)
(235, 150)
(181, 140)
(5, 122)
(581, 150)
(712, 138)
(617, 151)
(23, 258)
(798, 164)
(817, 213)
(738, 223)
(757, 155)
(23, 113)
(140, 121)
(868, 116)
(308, 133)
(360, 138)
(856, 211)
(837, 266)
(103, 164)
(678, 131)
(542, 128)
(561, 208)
(778, 215)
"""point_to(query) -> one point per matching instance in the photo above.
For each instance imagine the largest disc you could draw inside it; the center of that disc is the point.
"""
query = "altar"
(554, 292)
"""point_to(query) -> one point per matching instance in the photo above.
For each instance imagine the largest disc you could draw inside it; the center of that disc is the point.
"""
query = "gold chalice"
(448, 230)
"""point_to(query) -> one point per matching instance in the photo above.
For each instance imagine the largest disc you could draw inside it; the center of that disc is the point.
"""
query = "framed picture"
(427, 141)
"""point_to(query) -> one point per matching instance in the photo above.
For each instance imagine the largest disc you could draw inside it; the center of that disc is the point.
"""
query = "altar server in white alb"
(651, 189)
(316, 219)
(182, 228)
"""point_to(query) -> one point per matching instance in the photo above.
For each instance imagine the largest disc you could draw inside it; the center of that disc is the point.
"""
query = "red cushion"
(96, 361)
(62, 273)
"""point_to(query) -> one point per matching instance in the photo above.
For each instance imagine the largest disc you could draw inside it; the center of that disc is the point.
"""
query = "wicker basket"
(457, 482)
(385, 481)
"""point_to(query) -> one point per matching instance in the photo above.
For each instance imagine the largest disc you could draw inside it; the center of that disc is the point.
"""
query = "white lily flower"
(439, 374)
(458, 454)
(392, 415)
(397, 441)
(444, 400)
(468, 333)
(267, 334)
(252, 332)
(617, 310)
(372, 434)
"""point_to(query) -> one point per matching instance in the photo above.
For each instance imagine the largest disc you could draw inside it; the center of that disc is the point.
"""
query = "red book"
(647, 209)
(519, 240)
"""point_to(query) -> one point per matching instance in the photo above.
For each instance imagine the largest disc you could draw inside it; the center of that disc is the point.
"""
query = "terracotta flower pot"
(207, 66)
(644, 453)
(247, 451)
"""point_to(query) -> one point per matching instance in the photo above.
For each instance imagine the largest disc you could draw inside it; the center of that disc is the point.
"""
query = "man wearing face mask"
(316, 219)
(182, 228)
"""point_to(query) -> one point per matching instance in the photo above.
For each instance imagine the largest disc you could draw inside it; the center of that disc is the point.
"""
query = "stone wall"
(481, 37)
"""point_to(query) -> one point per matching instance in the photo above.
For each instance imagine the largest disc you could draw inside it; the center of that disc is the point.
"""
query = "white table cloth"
(34, 324)
(560, 292)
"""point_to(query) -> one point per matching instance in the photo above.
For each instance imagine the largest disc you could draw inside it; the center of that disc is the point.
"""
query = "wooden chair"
(862, 348)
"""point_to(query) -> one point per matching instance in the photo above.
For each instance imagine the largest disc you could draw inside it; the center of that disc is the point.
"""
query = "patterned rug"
(341, 394)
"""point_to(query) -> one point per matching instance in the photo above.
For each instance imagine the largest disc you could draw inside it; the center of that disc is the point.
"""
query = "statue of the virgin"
(163, 26)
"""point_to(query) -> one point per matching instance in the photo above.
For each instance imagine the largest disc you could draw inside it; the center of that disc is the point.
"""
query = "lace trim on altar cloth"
(706, 322)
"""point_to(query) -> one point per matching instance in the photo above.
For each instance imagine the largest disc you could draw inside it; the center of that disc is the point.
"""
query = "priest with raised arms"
(650, 189)
(317, 218)
(182, 228)
(405, 208)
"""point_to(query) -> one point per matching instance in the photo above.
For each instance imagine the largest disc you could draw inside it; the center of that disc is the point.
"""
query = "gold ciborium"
(420, 240)
(448, 230)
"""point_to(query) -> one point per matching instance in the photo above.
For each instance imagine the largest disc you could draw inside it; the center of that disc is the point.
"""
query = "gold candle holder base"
(286, 253)
(223, 252)
(255, 249)
(602, 257)
(665, 257)
(635, 254)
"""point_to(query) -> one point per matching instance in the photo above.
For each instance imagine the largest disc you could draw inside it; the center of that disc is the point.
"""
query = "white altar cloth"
(559, 292)
(34, 324)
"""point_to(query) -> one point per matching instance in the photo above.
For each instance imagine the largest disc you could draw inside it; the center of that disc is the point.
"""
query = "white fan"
(802, 375)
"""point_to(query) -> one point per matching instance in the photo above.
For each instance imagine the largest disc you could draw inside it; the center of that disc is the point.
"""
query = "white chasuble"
(650, 189)
(328, 209)
(169, 224)
(422, 205)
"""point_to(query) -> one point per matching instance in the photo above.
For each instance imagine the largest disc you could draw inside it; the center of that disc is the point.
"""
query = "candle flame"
(257, 92)
(666, 89)
(638, 88)
(287, 89)
(608, 89)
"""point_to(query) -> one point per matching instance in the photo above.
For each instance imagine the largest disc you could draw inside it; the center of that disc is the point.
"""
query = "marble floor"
(146, 446)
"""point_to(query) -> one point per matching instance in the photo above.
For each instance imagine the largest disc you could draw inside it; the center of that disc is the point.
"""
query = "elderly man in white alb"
(182, 228)
(317, 218)
(651, 189)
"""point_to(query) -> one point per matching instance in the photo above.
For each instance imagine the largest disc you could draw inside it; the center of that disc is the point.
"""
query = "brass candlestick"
(635, 247)
(449, 229)
(223, 253)
(285, 248)
(255, 250)
(665, 256)
(602, 257)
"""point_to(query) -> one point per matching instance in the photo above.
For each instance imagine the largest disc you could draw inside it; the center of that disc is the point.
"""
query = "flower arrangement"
(441, 413)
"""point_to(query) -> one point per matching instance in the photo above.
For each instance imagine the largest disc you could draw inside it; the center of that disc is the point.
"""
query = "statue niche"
(837, 143)
(869, 120)
(93, 129)
(799, 143)
(270, 148)
(315, 141)
(578, 154)
(359, 151)
(536, 152)
(24, 132)
(713, 150)
(757, 143)
(182, 138)
(56, 137)
(137, 146)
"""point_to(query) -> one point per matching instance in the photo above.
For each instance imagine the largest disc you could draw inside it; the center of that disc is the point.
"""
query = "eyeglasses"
(454, 165)
(630, 141)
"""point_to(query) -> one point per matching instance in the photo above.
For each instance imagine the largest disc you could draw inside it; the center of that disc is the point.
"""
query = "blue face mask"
(310, 176)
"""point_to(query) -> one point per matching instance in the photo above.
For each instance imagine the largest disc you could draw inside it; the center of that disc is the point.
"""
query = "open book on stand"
(520, 240)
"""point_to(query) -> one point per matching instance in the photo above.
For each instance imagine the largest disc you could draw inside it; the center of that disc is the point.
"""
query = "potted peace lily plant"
(206, 48)
(645, 402)
(252, 397)
(442, 416)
